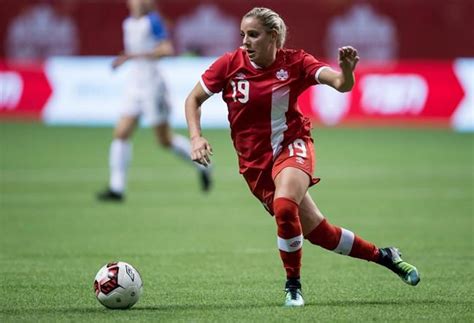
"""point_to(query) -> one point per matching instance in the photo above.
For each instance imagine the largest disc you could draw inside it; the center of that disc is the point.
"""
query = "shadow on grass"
(389, 302)
(218, 307)
(145, 308)
(207, 307)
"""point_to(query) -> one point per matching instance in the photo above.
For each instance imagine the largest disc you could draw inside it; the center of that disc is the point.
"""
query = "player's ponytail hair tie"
(271, 21)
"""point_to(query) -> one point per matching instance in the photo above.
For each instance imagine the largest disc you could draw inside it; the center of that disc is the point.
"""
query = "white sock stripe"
(345, 243)
(290, 245)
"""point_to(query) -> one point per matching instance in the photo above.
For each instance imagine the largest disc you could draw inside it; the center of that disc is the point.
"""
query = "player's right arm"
(212, 81)
(200, 148)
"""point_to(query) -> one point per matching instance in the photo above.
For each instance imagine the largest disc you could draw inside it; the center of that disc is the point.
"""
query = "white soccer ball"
(118, 285)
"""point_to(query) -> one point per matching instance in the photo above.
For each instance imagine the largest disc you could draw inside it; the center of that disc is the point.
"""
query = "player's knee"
(122, 135)
(311, 213)
(286, 211)
(164, 142)
(284, 215)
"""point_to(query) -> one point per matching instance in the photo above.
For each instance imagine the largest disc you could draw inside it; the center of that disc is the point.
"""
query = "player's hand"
(348, 58)
(119, 60)
(201, 151)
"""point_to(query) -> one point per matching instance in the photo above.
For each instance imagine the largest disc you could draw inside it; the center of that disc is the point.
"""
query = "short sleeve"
(311, 68)
(157, 27)
(213, 79)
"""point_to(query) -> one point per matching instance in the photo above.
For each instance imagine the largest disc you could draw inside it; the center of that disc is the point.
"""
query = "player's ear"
(274, 35)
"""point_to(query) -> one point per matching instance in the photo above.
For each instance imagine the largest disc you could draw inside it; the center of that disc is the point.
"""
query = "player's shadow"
(152, 308)
(388, 302)
(339, 303)
(218, 307)
(191, 307)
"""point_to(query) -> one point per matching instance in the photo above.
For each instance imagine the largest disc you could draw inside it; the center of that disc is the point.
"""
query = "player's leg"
(319, 231)
(178, 144)
(292, 173)
(120, 154)
(291, 185)
(181, 146)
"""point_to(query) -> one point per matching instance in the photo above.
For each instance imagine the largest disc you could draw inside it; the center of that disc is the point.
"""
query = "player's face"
(137, 7)
(259, 44)
(149, 4)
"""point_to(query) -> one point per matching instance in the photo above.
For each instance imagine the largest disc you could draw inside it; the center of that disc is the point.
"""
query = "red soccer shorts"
(298, 154)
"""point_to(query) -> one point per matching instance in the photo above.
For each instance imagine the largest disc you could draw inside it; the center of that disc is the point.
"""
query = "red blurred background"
(403, 29)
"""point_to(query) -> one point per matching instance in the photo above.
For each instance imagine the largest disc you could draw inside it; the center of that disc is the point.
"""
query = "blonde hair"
(271, 21)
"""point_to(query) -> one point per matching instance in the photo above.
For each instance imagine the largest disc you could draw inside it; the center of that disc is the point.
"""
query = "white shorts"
(151, 101)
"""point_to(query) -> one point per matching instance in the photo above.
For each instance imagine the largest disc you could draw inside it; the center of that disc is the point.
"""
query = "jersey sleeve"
(157, 27)
(124, 24)
(214, 78)
(311, 68)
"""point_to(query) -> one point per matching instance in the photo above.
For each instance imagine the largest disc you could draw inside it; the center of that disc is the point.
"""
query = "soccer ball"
(118, 285)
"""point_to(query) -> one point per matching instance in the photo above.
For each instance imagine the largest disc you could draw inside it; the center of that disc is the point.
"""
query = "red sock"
(290, 235)
(342, 241)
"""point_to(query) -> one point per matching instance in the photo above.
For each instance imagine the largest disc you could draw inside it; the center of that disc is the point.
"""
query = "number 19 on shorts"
(297, 148)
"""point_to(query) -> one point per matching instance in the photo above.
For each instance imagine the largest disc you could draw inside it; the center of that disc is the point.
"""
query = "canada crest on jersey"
(282, 75)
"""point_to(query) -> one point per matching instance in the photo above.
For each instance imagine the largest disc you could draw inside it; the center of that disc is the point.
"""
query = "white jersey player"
(145, 41)
(146, 91)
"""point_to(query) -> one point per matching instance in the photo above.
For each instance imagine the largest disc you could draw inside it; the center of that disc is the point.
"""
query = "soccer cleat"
(391, 258)
(206, 179)
(293, 295)
(110, 196)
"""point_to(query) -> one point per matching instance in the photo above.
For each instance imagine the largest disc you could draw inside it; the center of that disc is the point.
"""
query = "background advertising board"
(85, 91)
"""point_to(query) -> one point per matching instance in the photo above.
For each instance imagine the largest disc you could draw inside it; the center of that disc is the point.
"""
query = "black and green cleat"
(391, 258)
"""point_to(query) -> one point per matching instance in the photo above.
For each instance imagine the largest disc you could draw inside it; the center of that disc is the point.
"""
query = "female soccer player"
(261, 82)
(146, 40)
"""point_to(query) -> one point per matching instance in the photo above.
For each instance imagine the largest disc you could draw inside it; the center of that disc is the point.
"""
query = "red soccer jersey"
(262, 102)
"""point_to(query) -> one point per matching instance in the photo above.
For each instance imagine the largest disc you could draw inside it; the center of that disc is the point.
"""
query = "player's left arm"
(344, 80)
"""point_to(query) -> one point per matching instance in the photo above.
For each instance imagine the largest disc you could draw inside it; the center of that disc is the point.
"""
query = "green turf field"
(214, 258)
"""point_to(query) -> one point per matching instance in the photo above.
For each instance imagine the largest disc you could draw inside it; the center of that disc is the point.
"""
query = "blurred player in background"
(261, 82)
(145, 41)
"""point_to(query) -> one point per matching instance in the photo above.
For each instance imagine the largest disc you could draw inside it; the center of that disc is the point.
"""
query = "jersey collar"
(257, 67)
